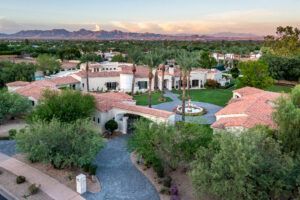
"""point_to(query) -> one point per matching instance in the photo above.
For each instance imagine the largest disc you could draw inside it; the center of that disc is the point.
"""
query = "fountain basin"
(190, 110)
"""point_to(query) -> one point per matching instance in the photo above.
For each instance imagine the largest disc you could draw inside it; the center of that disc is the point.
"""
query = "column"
(124, 125)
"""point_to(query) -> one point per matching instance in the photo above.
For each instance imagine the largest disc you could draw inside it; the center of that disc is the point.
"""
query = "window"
(82, 85)
(111, 85)
(94, 119)
(195, 83)
(143, 85)
(98, 120)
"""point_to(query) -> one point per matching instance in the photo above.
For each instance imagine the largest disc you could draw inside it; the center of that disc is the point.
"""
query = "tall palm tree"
(185, 61)
(152, 59)
(86, 58)
(166, 55)
(135, 57)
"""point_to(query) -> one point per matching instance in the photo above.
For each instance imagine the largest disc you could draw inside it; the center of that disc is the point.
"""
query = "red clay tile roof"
(68, 65)
(143, 110)
(253, 108)
(36, 88)
(17, 83)
(107, 101)
(248, 91)
(64, 80)
(141, 71)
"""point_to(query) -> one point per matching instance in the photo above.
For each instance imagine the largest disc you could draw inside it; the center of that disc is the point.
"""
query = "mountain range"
(83, 34)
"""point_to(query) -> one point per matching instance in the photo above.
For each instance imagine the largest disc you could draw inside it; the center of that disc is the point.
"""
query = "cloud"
(259, 21)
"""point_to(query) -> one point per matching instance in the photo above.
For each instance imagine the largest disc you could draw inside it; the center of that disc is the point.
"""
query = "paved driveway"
(119, 178)
(208, 118)
(8, 147)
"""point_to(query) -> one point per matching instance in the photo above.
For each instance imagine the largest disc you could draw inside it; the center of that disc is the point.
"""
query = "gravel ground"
(120, 179)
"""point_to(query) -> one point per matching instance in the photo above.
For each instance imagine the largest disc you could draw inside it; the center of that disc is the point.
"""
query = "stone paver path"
(208, 118)
(119, 178)
(49, 185)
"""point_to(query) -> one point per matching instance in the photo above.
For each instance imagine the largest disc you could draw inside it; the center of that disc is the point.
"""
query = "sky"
(259, 17)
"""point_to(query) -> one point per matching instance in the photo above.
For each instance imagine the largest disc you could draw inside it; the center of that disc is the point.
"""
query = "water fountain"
(190, 109)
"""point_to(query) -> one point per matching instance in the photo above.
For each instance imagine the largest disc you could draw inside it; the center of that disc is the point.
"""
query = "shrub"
(92, 169)
(20, 179)
(164, 190)
(33, 189)
(210, 83)
(61, 144)
(12, 133)
(174, 190)
(66, 106)
(167, 181)
(158, 168)
(250, 166)
(111, 125)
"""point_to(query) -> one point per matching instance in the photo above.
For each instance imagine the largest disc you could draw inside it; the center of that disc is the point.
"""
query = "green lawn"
(142, 99)
(218, 97)
(279, 88)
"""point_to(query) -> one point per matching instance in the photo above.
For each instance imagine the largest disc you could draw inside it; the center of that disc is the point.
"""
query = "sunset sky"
(160, 16)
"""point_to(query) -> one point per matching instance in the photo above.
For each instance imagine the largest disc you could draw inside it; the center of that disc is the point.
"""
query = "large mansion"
(114, 76)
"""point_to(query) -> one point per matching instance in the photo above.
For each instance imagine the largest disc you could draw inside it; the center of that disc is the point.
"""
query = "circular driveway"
(208, 118)
(119, 178)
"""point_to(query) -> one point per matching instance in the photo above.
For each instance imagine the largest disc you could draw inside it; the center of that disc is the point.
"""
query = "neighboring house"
(248, 107)
(16, 85)
(114, 76)
(111, 105)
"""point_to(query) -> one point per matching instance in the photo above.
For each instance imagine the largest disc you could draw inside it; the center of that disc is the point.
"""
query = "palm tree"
(166, 55)
(86, 58)
(152, 59)
(185, 61)
(135, 57)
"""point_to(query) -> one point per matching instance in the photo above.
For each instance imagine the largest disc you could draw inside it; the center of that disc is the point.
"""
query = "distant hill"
(84, 34)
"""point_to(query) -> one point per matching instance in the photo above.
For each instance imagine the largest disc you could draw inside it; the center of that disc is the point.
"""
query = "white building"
(114, 76)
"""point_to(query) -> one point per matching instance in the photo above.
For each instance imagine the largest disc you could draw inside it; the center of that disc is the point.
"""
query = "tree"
(111, 125)
(119, 58)
(287, 42)
(134, 56)
(12, 105)
(47, 63)
(10, 72)
(287, 117)
(207, 61)
(65, 105)
(186, 62)
(86, 58)
(60, 144)
(152, 59)
(283, 68)
(254, 74)
(249, 166)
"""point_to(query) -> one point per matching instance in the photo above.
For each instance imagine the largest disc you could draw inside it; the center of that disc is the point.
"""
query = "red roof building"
(248, 107)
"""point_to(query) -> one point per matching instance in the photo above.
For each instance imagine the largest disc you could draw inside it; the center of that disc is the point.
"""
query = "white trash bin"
(81, 183)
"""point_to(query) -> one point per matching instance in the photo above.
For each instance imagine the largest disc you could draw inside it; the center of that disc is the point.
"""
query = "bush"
(158, 168)
(20, 179)
(164, 190)
(33, 189)
(12, 133)
(111, 125)
(90, 168)
(61, 144)
(65, 106)
(211, 83)
(167, 181)
(12, 105)
(250, 166)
